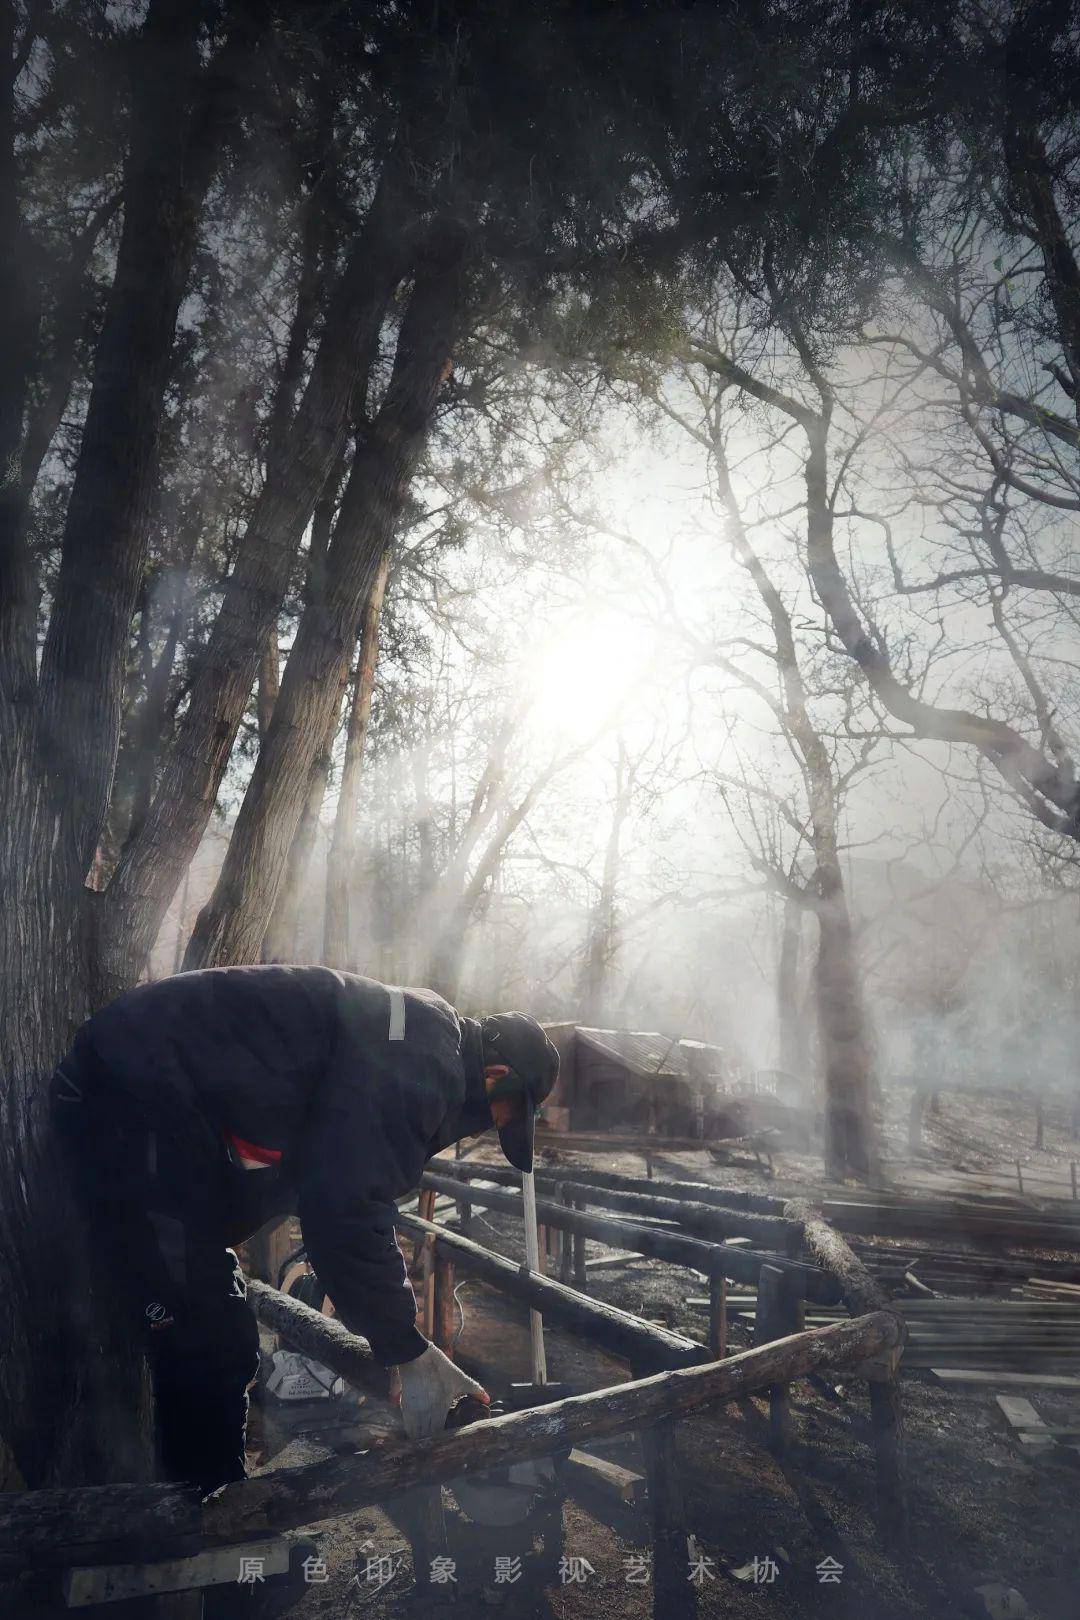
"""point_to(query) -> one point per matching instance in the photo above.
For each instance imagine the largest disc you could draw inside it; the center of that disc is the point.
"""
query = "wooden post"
(674, 1595)
(861, 1294)
(1020, 1178)
(886, 1420)
(445, 1314)
(464, 1210)
(422, 1510)
(1072, 1173)
(773, 1322)
(566, 1252)
(718, 1316)
(1038, 1121)
(581, 1279)
(424, 1522)
(428, 1263)
(425, 1207)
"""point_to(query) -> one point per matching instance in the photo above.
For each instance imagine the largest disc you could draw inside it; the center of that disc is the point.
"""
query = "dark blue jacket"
(317, 1092)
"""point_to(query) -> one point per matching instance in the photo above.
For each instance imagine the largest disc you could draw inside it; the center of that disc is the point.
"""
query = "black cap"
(516, 1041)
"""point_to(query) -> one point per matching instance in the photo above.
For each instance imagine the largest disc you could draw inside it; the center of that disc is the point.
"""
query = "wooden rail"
(56, 1529)
(704, 1218)
(731, 1198)
(617, 1332)
(713, 1259)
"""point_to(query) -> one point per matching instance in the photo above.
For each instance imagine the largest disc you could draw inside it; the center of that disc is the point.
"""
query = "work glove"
(426, 1390)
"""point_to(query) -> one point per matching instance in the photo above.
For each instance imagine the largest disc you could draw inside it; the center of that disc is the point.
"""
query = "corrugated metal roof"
(648, 1053)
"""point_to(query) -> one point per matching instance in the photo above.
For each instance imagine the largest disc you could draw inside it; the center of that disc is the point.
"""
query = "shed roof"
(648, 1053)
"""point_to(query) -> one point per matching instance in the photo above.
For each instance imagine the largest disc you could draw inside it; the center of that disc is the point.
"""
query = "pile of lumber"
(948, 1270)
(997, 1225)
(1011, 1335)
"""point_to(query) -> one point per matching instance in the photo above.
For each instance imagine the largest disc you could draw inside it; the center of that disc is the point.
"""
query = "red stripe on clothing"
(249, 1150)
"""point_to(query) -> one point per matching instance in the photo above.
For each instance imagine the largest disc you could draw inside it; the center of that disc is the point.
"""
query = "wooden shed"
(634, 1081)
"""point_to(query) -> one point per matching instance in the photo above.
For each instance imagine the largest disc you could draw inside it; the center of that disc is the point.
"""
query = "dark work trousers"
(154, 1196)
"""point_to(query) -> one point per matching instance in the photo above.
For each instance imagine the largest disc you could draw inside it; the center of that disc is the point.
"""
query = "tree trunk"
(269, 683)
(845, 1046)
(842, 1031)
(178, 126)
(70, 1402)
(281, 942)
(792, 1053)
(232, 924)
(150, 870)
(340, 860)
(601, 944)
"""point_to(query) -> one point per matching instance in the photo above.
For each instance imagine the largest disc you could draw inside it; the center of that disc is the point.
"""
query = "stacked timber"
(950, 1270)
(1011, 1335)
(995, 1226)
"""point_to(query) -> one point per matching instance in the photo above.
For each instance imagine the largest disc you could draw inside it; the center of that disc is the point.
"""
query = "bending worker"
(196, 1108)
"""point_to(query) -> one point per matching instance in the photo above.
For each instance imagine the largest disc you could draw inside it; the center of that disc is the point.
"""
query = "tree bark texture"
(177, 134)
(150, 870)
(792, 1053)
(70, 1401)
(232, 923)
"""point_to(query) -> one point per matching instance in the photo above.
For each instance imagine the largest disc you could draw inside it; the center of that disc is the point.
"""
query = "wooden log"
(586, 1471)
(950, 1221)
(1013, 1380)
(718, 1323)
(887, 1426)
(124, 1523)
(772, 1321)
(861, 1294)
(703, 1220)
(445, 1308)
(422, 1516)
(113, 1583)
(661, 1243)
(566, 1252)
(323, 1337)
(647, 1146)
(702, 1192)
(617, 1332)
(581, 1273)
(858, 1289)
(674, 1596)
